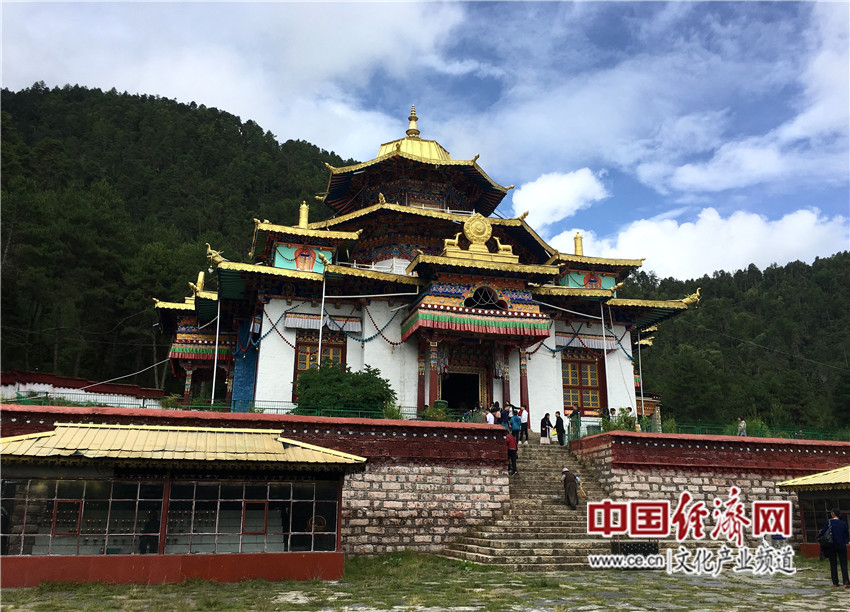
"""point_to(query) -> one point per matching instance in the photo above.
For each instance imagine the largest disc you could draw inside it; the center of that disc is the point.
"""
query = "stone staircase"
(540, 533)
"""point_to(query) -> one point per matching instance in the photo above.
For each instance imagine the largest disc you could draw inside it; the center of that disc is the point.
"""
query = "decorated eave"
(822, 481)
(267, 234)
(516, 325)
(169, 312)
(173, 446)
(559, 291)
(517, 229)
(410, 156)
(642, 314)
(427, 266)
(620, 267)
(234, 278)
(334, 272)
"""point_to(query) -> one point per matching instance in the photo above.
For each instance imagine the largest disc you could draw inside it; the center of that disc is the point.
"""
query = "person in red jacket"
(511, 454)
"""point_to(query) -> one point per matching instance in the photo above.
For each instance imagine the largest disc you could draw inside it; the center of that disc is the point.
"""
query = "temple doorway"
(460, 390)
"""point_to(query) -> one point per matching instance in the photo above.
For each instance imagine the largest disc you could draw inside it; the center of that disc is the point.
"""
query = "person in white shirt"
(491, 420)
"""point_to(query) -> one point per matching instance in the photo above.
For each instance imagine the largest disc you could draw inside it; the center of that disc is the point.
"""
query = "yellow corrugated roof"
(135, 442)
(832, 479)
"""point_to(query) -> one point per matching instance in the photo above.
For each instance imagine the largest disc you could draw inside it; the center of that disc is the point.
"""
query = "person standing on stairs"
(523, 427)
(516, 425)
(545, 428)
(511, 454)
(559, 428)
(570, 488)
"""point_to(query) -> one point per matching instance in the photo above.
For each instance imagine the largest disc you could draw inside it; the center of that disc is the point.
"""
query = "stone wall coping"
(648, 438)
(732, 454)
(225, 419)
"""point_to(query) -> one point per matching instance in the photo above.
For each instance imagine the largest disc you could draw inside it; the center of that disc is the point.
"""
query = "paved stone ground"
(465, 587)
(809, 589)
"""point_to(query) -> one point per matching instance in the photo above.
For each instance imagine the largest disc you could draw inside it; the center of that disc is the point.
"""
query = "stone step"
(539, 532)
(523, 546)
(565, 566)
(531, 531)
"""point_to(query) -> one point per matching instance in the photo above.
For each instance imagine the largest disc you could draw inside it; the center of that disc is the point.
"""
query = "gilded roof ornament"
(412, 130)
(198, 286)
(477, 230)
(692, 298)
(213, 256)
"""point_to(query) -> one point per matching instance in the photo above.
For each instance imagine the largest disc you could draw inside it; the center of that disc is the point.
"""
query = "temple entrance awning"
(473, 321)
(298, 320)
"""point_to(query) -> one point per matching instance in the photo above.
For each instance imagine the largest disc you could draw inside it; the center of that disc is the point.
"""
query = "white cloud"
(553, 197)
(712, 242)
(810, 147)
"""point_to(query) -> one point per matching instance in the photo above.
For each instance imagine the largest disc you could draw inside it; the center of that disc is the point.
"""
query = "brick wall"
(424, 482)
(393, 507)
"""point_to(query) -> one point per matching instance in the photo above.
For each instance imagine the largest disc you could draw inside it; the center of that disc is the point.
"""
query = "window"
(485, 298)
(123, 517)
(307, 351)
(583, 380)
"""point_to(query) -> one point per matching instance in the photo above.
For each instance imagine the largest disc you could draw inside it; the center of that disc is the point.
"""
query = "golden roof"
(413, 145)
(598, 261)
(270, 271)
(675, 304)
(171, 443)
(302, 232)
(373, 274)
(188, 304)
(832, 479)
(351, 179)
(453, 262)
(571, 291)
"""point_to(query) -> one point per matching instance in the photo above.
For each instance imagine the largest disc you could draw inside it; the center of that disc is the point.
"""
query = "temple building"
(416, 276)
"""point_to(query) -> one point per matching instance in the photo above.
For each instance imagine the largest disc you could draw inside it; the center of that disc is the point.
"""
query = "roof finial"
(412, 130)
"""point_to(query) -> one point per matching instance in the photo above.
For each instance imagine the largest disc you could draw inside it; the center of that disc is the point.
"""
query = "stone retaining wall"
(388, 508)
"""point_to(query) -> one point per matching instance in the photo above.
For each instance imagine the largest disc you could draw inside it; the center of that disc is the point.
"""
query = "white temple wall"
(276, 361)
(620, 373)
(496, 390)
(398, 364)
(545, 390)
(513, 372)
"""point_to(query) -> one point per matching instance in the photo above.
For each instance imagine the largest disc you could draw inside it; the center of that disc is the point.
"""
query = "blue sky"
(699, 135)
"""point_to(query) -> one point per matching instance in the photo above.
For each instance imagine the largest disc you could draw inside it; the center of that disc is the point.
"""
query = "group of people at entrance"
(513, 419)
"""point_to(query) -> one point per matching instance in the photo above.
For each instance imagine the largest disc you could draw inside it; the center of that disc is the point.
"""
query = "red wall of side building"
(156, 569)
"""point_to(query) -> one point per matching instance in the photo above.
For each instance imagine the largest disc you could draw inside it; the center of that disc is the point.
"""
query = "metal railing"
(763, 431)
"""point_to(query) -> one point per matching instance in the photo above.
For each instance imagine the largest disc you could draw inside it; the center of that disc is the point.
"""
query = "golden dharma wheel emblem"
(477, 229)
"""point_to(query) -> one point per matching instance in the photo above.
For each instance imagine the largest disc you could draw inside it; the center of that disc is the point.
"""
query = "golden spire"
(303, 214)
(578, 244)
(412, 130)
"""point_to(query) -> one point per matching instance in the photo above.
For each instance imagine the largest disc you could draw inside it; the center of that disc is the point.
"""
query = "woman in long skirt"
(545, 428)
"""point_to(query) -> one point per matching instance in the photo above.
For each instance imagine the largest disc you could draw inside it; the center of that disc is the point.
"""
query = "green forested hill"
(108, 199)
(773, 344)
